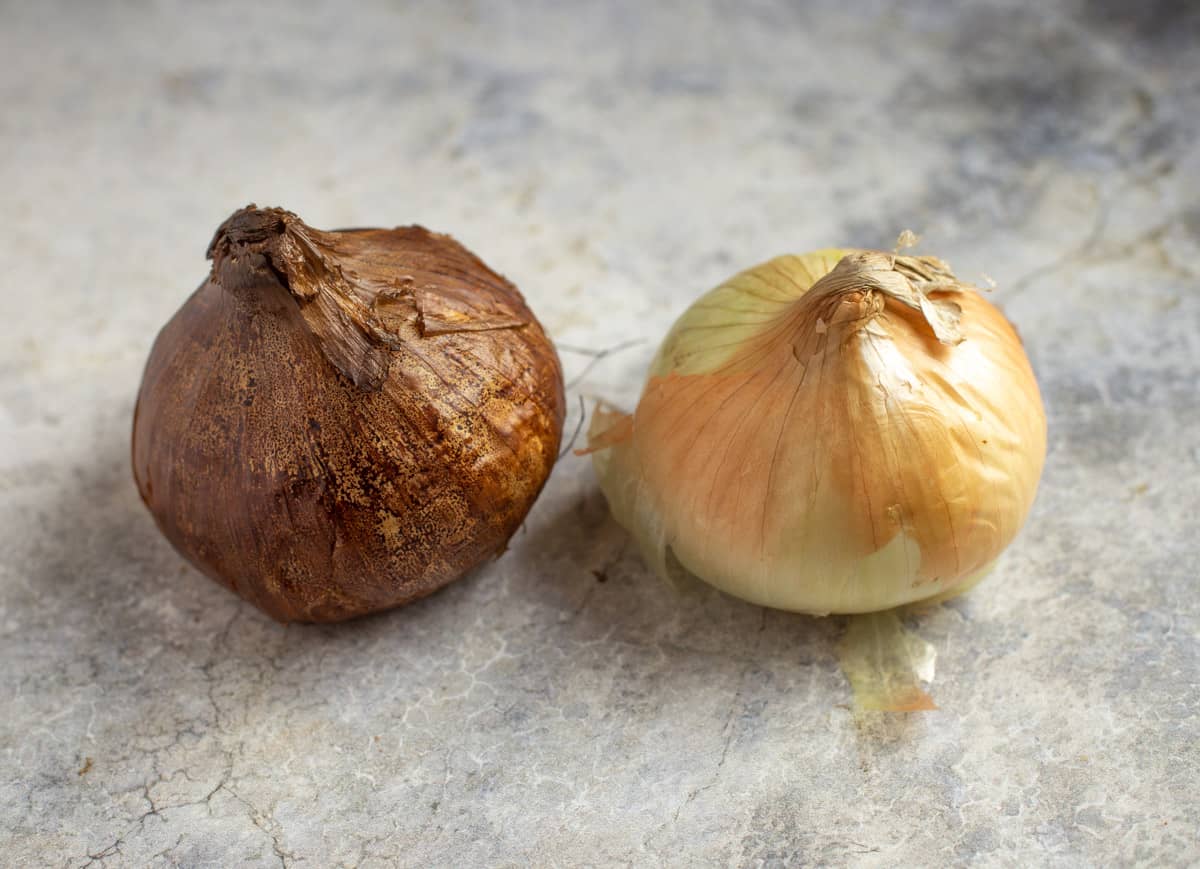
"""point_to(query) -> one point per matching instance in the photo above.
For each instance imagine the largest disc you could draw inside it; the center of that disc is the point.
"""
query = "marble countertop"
(614, 160)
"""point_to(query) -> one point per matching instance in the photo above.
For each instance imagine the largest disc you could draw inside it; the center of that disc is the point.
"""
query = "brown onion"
(340, 422)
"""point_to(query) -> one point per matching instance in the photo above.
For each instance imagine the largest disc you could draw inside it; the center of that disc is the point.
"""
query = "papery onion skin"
(336, 423)
(846, 431)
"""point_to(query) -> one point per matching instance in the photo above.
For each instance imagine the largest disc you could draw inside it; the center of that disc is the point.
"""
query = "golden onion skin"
(842, 432)
(336, 423)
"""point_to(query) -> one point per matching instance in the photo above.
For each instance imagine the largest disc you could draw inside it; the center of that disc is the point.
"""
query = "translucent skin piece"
(846, 431)
(885, 664)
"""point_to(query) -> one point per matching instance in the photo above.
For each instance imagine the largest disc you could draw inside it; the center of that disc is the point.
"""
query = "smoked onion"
(340, 422)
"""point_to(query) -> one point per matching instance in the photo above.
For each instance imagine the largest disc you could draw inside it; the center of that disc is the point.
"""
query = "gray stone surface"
(614, 160)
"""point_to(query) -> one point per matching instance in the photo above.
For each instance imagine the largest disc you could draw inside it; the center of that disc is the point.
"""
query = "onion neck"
(258, 249)
(271, 261)
(875, 278)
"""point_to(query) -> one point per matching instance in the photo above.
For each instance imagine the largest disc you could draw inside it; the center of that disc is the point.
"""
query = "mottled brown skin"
(336, 423)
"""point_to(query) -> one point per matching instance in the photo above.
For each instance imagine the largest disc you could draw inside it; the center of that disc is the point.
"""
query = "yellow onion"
(841, 432)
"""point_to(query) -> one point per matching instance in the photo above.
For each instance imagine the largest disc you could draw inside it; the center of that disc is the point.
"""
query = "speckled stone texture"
(561, 706)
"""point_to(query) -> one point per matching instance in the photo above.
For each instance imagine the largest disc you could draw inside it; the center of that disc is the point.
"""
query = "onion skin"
(336, 423)
(843, 432)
